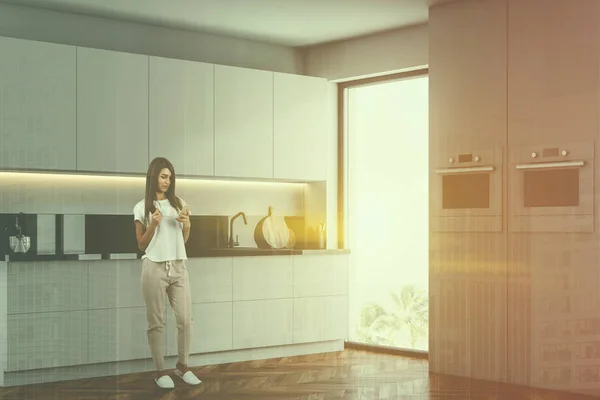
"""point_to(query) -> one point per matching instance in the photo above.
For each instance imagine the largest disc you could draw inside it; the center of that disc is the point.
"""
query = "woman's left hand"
(184, 216)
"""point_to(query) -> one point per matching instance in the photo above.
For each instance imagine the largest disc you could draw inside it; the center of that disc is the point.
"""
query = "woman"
(162, 226)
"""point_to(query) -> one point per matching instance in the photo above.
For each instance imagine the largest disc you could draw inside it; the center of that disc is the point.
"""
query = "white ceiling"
(285, 22)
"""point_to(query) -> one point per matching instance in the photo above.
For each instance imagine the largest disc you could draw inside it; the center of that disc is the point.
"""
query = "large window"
(386, 157)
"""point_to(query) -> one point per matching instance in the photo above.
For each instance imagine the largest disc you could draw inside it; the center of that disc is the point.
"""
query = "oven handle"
(463, 170)
(552, 165)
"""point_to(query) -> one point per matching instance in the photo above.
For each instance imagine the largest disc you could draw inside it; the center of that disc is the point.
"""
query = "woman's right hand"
(156, 218)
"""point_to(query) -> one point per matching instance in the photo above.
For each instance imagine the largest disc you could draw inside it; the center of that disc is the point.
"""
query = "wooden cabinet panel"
(468, 95)
(467, 75)
(553, 98)
(553, 71)
(487, 322)
(448, 327)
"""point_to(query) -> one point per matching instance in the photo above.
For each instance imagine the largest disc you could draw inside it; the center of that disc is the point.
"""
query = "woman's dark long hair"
(152, 184)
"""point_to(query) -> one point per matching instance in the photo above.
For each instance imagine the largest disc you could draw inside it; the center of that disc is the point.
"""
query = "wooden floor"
(350, 374)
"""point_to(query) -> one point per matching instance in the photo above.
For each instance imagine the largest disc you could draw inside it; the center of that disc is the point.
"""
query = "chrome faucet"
(231, 243)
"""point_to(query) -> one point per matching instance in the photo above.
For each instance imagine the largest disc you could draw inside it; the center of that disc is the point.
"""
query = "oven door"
(552, 189)
(468, 197)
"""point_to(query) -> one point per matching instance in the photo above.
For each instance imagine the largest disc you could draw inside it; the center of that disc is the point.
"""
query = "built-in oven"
(467, 191)
(552, 188)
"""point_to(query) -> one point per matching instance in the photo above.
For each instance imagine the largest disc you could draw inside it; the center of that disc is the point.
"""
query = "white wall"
(332, 177)
(397, 50)
(79, 30)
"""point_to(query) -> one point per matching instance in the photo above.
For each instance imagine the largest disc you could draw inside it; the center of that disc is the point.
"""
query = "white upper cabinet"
(300, 127)
(76, 108)
(243, 122)
(112, 111)
(37, 105)
(182, 114)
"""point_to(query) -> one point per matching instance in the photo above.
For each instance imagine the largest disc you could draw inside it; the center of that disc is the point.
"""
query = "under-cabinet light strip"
(73, 177)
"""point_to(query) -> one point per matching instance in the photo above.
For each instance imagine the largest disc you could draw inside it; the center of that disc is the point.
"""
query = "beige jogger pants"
(159, 281)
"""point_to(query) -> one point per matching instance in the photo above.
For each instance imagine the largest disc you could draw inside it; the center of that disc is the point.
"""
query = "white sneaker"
(165, 382)
(188, 377)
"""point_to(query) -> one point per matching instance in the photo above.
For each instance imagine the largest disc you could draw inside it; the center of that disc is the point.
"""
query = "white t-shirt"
(167, 243)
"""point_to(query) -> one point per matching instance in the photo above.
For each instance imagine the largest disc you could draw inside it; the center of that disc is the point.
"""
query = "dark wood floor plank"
(347, 375)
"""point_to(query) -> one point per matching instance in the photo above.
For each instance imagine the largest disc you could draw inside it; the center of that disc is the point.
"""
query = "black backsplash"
(207, 232)
(109, 234)
(116, 234)
(106, 234)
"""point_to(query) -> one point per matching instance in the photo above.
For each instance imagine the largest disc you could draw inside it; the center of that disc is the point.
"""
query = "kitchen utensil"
(271, 232)
(292, 241)
(19, 243)
(297, 225)
(321, 230)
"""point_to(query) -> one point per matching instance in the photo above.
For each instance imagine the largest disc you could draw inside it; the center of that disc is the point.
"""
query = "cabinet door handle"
(552, 165)
(463, 170)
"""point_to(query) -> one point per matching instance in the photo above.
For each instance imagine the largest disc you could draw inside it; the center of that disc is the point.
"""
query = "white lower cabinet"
(115, 283)
(46, 340)
(320, 318)
(265, 277)
(316, 275)
(237, 303)
(118, 334)
(117, 312)
(262, 323)
(211, 328)
(51, 286)
(210, 279)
